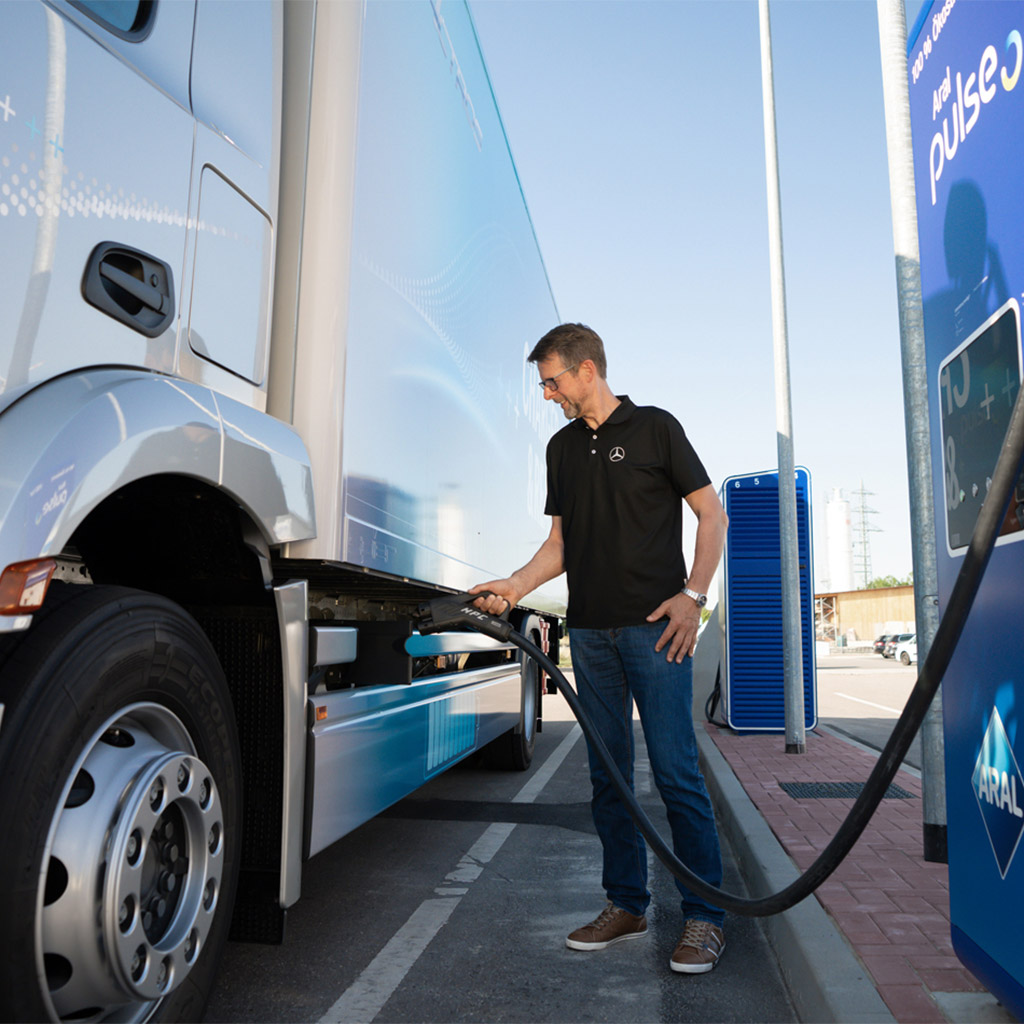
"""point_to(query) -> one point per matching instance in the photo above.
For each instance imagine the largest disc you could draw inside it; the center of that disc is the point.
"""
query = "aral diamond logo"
(999, 787)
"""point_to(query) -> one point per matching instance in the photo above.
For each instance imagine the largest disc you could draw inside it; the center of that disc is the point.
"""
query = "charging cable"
(459, 611)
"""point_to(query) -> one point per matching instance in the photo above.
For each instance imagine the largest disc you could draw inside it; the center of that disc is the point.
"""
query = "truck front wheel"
(119, 790)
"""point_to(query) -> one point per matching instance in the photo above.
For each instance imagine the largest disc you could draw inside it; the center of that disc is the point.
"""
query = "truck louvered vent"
(453, 729)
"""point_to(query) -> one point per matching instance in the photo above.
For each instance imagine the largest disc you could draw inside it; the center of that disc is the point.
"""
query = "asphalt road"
(862, 695)
(454, 906)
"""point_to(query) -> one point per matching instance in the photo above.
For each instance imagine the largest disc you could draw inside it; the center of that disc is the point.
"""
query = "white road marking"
(871, 704)
(379, 980)
(542, 776)
(471, 864)
(366, 996)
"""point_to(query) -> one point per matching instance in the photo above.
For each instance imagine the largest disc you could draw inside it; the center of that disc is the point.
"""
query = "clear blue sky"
(636, 126)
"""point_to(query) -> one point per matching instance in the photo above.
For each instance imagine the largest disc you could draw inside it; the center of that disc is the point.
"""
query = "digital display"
(978, 385)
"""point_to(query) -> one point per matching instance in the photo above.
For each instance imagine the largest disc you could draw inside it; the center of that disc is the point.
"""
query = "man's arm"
(548, 563)
(683, 614)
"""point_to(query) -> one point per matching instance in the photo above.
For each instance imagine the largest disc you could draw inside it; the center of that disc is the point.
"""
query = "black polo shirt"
(619, 491)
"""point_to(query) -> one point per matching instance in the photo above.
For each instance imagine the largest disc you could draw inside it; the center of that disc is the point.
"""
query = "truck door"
(96, 144)
(236, 100)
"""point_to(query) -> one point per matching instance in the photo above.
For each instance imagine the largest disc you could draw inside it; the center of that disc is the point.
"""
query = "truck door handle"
(131, 286)
(145, 293)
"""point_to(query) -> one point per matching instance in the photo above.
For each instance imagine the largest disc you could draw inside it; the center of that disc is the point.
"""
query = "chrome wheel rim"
(131, 872)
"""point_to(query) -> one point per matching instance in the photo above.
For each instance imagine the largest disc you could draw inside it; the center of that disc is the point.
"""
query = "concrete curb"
(825, 979)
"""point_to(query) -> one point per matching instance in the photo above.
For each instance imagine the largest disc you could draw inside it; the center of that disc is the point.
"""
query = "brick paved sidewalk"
(892, 906)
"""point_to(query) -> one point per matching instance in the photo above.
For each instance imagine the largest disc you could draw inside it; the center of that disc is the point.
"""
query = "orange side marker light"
(23, 586)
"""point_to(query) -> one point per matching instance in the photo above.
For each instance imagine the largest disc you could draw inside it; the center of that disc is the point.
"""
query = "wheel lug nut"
(138, 965)
(168, 882)
(171, 853)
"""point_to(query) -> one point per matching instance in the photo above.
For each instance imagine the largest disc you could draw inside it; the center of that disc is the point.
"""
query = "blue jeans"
(613, 668)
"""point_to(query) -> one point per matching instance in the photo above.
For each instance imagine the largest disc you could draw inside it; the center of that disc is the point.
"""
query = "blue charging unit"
(753, 674)
(965, 64)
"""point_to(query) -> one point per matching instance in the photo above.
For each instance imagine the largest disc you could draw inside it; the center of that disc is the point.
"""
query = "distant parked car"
(881, 641)
(906, 651)
(894, 641)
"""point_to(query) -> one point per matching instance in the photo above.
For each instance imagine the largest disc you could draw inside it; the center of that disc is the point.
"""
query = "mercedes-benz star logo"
(617, 454)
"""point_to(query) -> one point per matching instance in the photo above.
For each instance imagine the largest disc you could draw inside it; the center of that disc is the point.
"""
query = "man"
(617, 476)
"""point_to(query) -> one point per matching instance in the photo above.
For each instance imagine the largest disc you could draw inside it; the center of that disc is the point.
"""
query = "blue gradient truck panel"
(445, 428)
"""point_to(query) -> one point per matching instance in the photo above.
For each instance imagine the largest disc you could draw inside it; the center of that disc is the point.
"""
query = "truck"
(268, 283)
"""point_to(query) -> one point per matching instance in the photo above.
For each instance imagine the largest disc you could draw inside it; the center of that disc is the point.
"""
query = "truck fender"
(72, 442)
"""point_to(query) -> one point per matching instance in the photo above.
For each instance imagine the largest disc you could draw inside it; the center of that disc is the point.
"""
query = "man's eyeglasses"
(552, 382)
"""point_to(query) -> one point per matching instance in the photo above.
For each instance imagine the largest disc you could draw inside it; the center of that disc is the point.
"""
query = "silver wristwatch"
(701, 599)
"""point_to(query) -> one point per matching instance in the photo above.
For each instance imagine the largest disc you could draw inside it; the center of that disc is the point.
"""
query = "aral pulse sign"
(958, 100)
(964, 64)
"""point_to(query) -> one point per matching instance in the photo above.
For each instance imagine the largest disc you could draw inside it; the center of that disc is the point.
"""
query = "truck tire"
(513, 750)
(119, 793)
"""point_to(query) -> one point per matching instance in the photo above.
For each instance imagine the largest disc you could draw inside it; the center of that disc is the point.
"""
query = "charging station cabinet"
(753, 680)
(965, 64)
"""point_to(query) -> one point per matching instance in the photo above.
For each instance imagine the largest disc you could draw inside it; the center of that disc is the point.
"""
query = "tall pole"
(892, 32)
(792, 641)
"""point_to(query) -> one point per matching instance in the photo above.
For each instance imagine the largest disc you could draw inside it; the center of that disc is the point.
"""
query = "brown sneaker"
(612, 925)
(699, 948)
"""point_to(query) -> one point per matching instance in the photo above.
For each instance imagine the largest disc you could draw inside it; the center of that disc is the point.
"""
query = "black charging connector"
(457, 611)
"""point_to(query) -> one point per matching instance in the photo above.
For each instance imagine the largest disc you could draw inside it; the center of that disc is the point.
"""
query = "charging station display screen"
(978, 384)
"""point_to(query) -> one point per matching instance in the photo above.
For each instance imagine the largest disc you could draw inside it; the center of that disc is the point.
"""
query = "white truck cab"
(268, 283)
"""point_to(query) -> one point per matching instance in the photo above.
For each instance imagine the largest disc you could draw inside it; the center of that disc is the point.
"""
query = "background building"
(854, 618)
